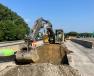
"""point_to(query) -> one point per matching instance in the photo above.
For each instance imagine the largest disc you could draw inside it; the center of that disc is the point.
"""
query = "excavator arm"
(46, 25)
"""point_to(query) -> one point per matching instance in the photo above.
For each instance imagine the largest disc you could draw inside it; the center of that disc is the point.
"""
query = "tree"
(85, 34)
(72, 34)
(12, 26)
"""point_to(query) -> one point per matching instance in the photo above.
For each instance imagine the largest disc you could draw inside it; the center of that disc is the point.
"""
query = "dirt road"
(81, 58)
(5, 66)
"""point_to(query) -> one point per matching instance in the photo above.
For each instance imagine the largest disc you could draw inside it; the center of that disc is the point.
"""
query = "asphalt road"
(3, 44)
(82, 58)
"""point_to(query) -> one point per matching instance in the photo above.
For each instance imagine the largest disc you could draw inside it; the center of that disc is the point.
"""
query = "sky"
(69, 15)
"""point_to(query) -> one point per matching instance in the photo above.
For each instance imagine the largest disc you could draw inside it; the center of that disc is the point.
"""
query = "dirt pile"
(44, 69)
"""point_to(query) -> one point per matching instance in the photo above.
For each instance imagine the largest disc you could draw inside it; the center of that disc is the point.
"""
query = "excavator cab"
(59, 36)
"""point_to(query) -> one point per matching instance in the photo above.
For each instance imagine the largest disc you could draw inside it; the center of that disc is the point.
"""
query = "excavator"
(27, 54)
(48, 34)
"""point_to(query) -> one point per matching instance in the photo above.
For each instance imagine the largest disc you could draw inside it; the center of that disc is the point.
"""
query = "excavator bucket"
(26, 55)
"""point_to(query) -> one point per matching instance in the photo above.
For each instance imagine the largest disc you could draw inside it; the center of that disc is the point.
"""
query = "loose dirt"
(44, 69)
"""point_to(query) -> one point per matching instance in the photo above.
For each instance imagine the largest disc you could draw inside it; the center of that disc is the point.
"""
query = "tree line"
(76, 34)
(12, 26)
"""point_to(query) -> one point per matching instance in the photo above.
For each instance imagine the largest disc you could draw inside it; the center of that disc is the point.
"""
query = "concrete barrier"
(7, 58)
(92, 44)
(87, 44)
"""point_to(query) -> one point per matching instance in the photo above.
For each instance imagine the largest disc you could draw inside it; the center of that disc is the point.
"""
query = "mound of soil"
(44, 69)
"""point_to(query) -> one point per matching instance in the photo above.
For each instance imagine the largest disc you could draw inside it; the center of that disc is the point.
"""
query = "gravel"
(42, 69)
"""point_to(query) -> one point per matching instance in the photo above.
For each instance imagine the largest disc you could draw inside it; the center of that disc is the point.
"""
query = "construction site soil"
(52, 62)
(42, 69)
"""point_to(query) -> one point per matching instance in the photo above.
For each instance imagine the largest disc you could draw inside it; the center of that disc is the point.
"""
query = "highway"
(10, 43)
(82, 58)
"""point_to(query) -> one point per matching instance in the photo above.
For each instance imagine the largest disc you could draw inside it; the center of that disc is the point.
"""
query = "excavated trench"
(52, 62)
(52, 53)
(48, 53)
